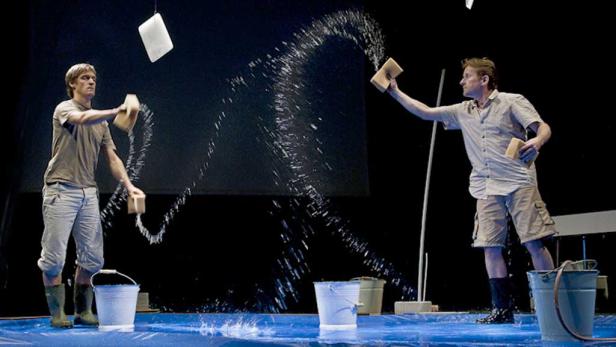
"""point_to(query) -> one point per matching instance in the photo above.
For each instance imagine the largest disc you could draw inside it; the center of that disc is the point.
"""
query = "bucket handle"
(109, 272)
(559, 271)
(589, 264)
(355, 304)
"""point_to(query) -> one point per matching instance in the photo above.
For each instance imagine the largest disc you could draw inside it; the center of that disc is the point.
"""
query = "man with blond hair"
(70, 194)
(501, 185)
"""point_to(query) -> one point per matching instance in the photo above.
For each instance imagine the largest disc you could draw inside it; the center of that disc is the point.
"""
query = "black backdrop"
(221, 245)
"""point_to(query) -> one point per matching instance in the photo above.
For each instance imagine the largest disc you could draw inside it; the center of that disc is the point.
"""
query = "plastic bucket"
(370, 294)
(116, 304)
(576, 301)
(337, 304)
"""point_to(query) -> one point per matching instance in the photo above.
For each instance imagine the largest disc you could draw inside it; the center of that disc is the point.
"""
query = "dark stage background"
(225, 242)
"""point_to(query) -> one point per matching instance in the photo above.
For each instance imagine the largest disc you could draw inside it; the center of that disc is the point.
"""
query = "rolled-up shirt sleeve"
(62, 111)
(524, 111)
(449, 116)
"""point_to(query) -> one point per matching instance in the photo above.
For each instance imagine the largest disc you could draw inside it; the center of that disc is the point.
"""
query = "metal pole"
(425, 280)
(425, 201)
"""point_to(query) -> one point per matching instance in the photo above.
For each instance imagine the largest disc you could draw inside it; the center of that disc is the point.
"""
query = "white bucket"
(337, 304)
(116, 304)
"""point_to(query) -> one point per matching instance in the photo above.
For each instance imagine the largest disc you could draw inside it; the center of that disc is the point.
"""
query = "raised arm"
(93, 116)
(416, 107)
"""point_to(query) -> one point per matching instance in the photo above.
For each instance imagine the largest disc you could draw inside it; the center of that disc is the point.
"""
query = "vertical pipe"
(426, 189)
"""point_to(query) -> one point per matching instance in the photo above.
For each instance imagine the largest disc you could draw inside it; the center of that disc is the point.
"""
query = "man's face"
(85, 84)
(472, 83)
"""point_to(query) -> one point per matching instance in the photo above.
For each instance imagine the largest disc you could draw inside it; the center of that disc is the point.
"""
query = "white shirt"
(487, 133)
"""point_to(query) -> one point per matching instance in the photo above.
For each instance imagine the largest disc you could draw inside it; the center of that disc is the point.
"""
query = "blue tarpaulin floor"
(240, 329)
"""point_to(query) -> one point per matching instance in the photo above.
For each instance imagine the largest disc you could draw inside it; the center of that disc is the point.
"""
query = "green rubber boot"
(82, 297)
(55, 302)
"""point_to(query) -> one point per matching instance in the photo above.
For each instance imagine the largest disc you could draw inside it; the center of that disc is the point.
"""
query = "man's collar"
(492, 96)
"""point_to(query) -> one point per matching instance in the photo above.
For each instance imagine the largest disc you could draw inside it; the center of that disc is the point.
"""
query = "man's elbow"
(544, 132)
(545, 127)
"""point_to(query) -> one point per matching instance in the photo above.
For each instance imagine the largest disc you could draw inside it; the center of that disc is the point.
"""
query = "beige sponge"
(126, 120)
(389, 70)
(136, 204)
(513, 150)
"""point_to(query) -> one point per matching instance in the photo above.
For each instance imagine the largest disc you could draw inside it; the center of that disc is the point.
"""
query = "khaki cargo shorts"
(528, 212)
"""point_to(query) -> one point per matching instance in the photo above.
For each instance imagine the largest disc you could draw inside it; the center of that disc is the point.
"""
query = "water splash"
(240, 328)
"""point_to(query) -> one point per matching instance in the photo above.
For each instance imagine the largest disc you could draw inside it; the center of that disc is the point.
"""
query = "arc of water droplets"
(286, 143)
(331, 25)
(181, 199)
(288, 146)
(133, 164)
(293, 148)
(133, 169)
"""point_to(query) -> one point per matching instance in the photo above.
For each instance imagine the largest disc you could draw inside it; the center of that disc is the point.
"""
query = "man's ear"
(485, 79)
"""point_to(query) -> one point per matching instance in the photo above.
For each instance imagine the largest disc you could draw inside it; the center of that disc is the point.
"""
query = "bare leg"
(82, 276)
(495, 262)
(542, 259)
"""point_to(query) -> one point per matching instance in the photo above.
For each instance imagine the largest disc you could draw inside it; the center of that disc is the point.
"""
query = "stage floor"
(154, 329)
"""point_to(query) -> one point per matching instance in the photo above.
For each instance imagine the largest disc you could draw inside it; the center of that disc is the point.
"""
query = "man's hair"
(73, 73)
(484, 67)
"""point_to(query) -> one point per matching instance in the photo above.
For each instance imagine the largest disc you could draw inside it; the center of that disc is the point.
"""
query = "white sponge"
(155, 37)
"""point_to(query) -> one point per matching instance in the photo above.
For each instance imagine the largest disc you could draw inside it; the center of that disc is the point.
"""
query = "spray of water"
(294, 147)
(296, 140)
(134, 163)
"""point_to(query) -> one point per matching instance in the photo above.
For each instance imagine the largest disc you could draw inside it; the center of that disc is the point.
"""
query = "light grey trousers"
(71, 210)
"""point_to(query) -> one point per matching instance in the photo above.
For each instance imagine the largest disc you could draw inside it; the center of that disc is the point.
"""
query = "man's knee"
(493, 252)
(535, 246)
(91, 265)
(50, 268)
